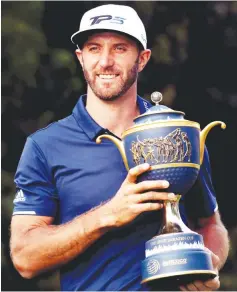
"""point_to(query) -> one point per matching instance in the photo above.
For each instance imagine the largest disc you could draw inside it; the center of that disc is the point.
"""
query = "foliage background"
(194, 54)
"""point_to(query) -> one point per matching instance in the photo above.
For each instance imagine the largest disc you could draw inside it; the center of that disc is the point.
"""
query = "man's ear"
(79, 56)
(143, 59)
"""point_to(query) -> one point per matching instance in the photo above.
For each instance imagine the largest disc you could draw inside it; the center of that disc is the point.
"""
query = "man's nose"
(106, 59)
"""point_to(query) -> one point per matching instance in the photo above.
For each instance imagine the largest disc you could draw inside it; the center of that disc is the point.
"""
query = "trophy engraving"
(174, 147)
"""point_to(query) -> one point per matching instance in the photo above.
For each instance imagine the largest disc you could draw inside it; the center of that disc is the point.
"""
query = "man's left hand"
(209, 285)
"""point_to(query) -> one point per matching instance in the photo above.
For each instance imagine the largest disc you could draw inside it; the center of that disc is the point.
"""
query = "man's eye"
(120, 48)
(93, 49)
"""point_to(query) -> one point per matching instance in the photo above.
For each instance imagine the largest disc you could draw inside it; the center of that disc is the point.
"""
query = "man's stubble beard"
(122, 89)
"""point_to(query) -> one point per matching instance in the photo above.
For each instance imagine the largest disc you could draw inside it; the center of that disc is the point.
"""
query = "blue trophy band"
(176, 254)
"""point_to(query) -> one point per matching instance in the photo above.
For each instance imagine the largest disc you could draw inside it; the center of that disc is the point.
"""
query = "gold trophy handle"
(119, 144)
(203, 136)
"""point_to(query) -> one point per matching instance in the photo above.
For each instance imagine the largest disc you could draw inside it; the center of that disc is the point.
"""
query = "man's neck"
(117, 115)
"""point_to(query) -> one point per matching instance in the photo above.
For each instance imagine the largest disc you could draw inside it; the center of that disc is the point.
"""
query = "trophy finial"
(156, 97)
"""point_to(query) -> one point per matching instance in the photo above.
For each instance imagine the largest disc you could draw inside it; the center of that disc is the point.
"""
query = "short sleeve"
(36, 193)
(200, 201)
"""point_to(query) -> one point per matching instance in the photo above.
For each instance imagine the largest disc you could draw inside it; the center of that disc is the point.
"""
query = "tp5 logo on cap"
(98, 19)
(108, 17)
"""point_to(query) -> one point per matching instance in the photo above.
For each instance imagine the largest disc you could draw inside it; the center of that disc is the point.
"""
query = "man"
(104, 217)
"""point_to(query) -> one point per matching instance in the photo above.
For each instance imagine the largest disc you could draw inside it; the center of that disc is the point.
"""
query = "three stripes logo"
(20, 197)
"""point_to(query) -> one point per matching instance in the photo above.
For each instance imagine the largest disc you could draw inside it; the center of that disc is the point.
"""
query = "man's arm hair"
(38, 246)
(215, 236)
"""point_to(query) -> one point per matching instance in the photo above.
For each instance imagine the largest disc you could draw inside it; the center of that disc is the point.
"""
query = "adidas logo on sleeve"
(20, 197)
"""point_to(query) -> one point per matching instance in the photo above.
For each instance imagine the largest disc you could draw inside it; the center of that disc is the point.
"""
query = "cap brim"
(80, 37)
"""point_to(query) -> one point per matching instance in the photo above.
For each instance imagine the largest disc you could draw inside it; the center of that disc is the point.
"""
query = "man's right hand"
(133, 198)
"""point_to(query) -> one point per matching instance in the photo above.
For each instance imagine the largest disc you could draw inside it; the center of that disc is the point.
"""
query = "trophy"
(174, 147)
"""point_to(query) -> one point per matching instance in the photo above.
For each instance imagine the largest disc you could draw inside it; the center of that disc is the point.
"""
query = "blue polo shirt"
(63, 173)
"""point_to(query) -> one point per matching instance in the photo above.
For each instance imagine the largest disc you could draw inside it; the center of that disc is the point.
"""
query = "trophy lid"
(158, 112)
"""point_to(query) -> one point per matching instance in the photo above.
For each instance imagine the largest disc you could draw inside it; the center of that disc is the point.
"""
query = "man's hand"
(209, 285)
(134, 198)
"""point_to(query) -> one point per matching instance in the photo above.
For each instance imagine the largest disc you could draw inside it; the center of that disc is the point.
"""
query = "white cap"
(119, 18)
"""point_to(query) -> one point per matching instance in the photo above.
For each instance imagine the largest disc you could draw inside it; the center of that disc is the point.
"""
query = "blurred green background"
(194, 61)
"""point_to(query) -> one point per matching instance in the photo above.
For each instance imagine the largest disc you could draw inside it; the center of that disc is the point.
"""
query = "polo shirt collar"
(89, 126)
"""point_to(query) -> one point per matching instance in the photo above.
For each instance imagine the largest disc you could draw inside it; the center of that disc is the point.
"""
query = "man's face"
(110, 63)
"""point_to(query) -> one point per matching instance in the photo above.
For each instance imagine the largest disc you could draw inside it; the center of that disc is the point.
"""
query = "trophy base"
(176, 259)
(173, 282)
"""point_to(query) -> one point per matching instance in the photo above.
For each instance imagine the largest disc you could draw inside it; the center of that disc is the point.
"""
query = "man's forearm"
(44, 247)
(216, 239)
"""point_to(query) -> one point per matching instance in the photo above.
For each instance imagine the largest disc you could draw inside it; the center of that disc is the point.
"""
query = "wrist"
(106, 218)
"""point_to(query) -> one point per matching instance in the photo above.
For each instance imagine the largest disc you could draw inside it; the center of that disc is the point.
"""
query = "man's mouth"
(107, 76)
